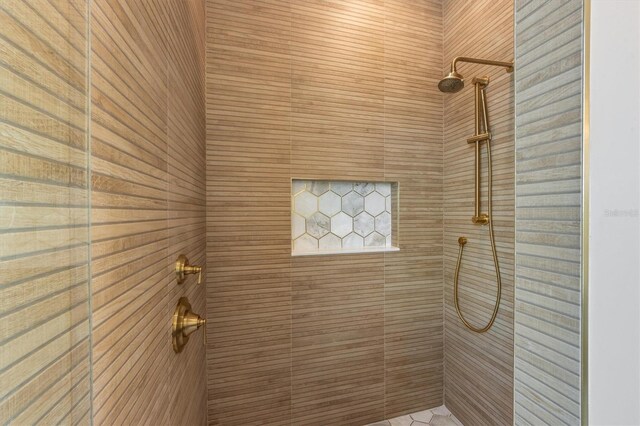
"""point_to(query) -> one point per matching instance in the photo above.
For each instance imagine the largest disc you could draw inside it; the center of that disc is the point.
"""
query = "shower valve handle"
(183, 269)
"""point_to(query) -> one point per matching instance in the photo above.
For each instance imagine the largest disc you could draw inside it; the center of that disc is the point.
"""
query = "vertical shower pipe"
(476, 86)
(481, 135)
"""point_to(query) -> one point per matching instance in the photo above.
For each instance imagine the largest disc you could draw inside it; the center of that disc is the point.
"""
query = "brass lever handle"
(183, 269)
(184, 323)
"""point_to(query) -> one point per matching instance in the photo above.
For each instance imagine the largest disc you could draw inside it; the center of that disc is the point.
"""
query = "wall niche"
(332, 217)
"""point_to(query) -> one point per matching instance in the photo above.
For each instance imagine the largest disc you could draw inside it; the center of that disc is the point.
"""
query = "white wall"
(614, 248)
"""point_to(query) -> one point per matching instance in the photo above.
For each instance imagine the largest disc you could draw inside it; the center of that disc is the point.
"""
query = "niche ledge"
(343, 217)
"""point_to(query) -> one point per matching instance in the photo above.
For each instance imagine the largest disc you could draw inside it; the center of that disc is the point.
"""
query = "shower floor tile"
(439, 416)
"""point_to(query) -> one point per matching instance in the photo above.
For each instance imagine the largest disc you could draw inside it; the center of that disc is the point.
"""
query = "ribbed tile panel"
(148, 206)
(322, 90)
(479, 367)
(549, 43)
(248, 212)
(44, 213)
(413, 111)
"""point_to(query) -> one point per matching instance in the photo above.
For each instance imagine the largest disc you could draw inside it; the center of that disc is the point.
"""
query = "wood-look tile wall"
(44, 196)
(248, 191)
(148, 206)
(549, 52)
(413, 156)
(321, 89)
(479, 367)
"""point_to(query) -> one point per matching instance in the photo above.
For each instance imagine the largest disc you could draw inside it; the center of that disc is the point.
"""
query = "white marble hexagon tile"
(439, 416)
(334, 216)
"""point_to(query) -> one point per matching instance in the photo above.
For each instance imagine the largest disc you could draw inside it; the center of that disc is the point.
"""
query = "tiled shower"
(299, 160)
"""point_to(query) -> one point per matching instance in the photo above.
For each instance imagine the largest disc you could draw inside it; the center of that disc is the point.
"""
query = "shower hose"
(462, 241)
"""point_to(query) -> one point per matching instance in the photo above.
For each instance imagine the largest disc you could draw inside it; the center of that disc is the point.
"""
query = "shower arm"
(454, 63)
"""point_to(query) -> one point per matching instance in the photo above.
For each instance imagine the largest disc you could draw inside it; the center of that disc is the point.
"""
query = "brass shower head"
(454, 82)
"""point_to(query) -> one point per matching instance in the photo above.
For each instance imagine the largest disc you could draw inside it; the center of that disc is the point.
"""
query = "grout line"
(384, 176)
(444, 287)
(89, 46)
(291, 208)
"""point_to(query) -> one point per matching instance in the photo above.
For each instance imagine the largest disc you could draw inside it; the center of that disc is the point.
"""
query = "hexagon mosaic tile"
(335, 216)
(439, 416)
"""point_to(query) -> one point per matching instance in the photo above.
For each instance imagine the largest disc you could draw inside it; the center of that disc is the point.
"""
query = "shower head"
(452, 83)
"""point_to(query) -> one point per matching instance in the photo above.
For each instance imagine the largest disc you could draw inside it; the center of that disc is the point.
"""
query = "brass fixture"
(183, 269)
(185, 322)
(480, 136)
(584, 290)
(452, 83)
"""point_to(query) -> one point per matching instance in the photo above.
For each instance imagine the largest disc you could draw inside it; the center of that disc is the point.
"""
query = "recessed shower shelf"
(346, 251)
(343, 217)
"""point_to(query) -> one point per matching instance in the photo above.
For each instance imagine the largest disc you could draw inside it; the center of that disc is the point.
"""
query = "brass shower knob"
(184, 323)
(183, 269)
